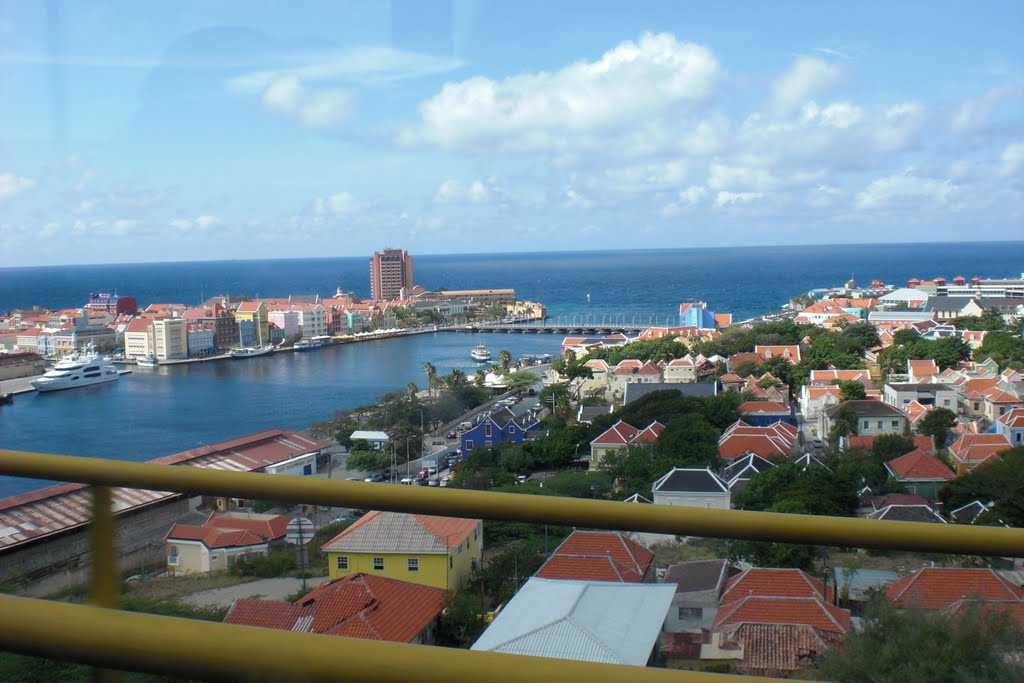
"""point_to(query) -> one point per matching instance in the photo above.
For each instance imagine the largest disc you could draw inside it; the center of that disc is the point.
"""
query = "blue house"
(497, 427)
(1011, 425)
(696, 314)
(766, 413)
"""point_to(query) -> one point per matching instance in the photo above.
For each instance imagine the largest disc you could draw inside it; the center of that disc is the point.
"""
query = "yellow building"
(423, 549)
(256, 313)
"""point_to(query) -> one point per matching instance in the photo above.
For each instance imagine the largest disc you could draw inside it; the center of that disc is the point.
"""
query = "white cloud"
(12, 185)
(630, 84)
(577, 200)
(182, 224)
(474, 192)
(367, 65)
(907, 189)
(49, 230)
(801, 81)
(334, 205)
(973, 114)
(661, 175)
(318, 109)
(835, 115)
(206, 222)
(123, 226)
(692, 195)
(726, 198)
(1012, 158)
(823, 195)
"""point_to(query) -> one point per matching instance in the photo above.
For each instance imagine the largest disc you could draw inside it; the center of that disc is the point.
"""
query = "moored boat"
(148, 362)
(480, 354)
(251, 352)
(78, 369)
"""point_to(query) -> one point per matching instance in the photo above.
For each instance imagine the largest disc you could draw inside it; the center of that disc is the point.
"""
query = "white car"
(408, 481)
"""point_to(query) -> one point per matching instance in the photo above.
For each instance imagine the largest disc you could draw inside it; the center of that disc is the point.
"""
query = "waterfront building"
(200, 341)
(484, 297)
(312, 319)
(46, 530)
(221, 320)
(697, 314)
(28, 340)
(138, 341)
(429, 550)
(112, 303)
(255, 312)
(71, 336)
(286, 320)
(390, 273)
(170, 338)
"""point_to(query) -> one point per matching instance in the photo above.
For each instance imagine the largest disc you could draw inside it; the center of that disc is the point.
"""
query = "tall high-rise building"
(390, 272)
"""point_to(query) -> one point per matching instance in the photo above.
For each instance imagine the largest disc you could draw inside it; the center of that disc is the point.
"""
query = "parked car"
(818, 443)
(377, 476)
(521, 479)
(408, 481)
(431, 470)
(451, 435)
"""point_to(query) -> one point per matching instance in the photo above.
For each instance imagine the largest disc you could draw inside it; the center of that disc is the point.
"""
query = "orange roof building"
(939, 588)
(356, 606)
(971, 450)
(599, 556)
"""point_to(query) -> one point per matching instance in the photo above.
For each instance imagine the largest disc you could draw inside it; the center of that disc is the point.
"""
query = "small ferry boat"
(78, 369)
(480, 354)
(251, 352)
(307, 344)
(148, 362)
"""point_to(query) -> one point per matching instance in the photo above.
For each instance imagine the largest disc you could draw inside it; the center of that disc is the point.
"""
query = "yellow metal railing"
(110, 638)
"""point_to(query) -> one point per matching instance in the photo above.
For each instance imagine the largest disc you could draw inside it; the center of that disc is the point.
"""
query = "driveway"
(266, 589)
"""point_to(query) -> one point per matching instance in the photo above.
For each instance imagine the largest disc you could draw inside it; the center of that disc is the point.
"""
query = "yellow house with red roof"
(431, 551)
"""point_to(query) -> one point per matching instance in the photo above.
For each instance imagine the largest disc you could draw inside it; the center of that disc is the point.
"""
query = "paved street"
(266, 589)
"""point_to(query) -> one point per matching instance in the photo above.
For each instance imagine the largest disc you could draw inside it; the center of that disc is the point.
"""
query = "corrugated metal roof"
(581, 620)
(63, 507)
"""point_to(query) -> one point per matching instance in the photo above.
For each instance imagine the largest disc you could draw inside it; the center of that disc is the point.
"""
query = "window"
(342, 562)
(895, 424)
(690, 612)
(213, 557)
(879, 424)
(378, 564)
(469, 444)
(172, 559)
(414, 564)
(487, 430)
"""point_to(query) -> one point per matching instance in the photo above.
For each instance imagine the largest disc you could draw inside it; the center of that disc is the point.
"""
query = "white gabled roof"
(592, 621)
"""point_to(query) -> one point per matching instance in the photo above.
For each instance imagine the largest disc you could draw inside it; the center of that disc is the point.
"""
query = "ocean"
(152, 413)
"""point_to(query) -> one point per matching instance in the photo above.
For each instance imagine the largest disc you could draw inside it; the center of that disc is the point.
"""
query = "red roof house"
(355, 606)
(599, 556)
(938, 588)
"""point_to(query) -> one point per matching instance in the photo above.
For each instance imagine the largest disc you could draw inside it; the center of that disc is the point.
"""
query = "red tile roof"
(762, 407)
(810, 611)
(778, 583)
(773, 441)
(598, 556)
(213, 537)
(867, 443)
(778, 650)
(356, 606)
(1013, 419)
(937, 588)
(919, 466)
(790, 352)
(974, 449)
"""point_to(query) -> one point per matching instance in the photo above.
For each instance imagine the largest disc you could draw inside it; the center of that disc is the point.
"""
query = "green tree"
(889, 446)
(844, 424)
(505, 359)
(851, 391)
(1000, 482)
(520, 380)
(430, 371)
(936, 423)
(749, 367)
(973, 644)
(368, 461)
(461, 622)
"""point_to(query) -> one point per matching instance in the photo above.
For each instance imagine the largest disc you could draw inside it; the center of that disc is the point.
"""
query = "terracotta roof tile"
(598, 556)
(919, 466)
(937, 588)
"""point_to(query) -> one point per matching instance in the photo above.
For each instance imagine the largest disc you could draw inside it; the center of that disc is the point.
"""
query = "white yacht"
(480, 354)
(78, 369)
(251, 352)
(148, 362)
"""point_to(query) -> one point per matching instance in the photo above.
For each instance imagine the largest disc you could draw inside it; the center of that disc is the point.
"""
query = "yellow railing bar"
(760, 526)
(191, 648)
(104, 586)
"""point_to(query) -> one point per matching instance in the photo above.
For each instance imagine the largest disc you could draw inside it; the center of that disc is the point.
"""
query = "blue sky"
(200, 130)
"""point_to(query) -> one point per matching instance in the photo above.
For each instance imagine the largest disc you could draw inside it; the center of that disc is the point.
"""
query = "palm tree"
(456, 379)
(480, 377)
(411, 390)
(430, 371)
(505, 359)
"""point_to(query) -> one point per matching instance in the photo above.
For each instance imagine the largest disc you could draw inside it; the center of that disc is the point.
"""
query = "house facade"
(220, 541)
(700, 488)
(1011, 426)
(497, 427)
(874, 418)
(424, 549)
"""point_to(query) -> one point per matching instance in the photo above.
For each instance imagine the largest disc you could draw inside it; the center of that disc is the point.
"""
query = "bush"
(277, 563)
